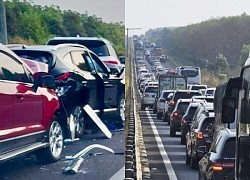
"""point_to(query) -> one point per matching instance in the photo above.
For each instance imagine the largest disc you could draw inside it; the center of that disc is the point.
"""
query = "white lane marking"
(119, 175)
(164, 155)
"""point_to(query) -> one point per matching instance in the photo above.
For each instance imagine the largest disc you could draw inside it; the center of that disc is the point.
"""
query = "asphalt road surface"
(97, 165)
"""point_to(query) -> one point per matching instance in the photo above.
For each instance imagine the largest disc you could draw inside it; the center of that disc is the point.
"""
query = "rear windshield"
(192, 110)
(98, 47)
(39, 56)
(185, 95)
(189, 73)
(198, 87)
(152, 89)
(229, 148)
(210, 92)
(165, 95)
(183, 106)
(206, 123)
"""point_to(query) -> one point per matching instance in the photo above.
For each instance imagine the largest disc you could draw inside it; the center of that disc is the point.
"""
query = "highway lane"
(166, 154)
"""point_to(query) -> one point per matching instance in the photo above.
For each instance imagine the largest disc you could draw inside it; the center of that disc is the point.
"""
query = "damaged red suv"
(28, 111)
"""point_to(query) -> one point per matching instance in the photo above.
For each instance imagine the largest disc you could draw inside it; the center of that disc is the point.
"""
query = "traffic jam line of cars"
(209, 143)
(52, 94)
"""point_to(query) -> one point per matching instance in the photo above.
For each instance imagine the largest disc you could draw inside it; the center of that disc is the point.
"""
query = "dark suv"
(198, 136)
(219, 162)
(93, 83)
(28, 110)
(100, 46)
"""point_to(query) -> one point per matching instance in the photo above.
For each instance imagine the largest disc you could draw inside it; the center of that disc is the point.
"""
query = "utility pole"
(3, 25)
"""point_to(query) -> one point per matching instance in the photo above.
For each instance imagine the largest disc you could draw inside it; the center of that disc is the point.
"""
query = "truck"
(171, 82)
(236, 108)
(157, 52)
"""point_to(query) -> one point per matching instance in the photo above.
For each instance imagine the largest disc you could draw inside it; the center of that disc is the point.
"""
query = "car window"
(206, 123)
(98, 47)
(210, 92)
(215, 144)
(79, 61)
(152, 89)
(100, 67)
(12, 70)
(229, 148)
(182, 106)
(39, 56)
(198, 87)
(165, 95)
(185, 95)
(192, 110)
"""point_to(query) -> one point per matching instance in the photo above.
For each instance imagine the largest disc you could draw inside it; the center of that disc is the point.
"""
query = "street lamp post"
(128, 29)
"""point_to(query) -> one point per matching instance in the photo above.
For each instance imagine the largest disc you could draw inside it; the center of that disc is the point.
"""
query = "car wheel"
(158, 116)
(143, 107)
(172, 132)
(53, 151)
(165, 119)
(121, 109)
(193, 163)
(154, 110)
(79, 121)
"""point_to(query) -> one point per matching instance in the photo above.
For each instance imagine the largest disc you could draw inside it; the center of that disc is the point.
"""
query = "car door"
(83, 69)
(110, 82)
(27, 105)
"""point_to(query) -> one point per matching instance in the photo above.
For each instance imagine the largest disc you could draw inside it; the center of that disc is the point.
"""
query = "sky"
(146, 14)
(108, 10)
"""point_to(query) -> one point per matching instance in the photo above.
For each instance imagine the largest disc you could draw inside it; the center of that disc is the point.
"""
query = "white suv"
(148, 96)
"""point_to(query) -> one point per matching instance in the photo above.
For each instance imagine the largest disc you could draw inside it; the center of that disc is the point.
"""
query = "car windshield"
(198, 87)
(39, 56)
(152, 89)
(165, 95)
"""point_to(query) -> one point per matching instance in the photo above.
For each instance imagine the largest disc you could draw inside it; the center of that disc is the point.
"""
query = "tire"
(154, 110)
(165, 119)
(121, 109)
(172, 132)
(143, 107)
(158, 116)
(187, 159)
(53, 151)
(79, 118)
(193, 163)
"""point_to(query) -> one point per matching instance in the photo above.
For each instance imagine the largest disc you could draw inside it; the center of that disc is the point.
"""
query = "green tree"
(244, 53)
(221, 63)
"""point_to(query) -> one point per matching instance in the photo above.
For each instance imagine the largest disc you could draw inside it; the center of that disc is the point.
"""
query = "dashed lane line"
(164, 155)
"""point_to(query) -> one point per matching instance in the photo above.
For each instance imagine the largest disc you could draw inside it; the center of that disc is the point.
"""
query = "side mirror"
(201, 151)
(228, 110)
(43, 79)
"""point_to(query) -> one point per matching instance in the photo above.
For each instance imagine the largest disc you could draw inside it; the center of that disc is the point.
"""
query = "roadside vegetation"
(34, 24)
(220, 46)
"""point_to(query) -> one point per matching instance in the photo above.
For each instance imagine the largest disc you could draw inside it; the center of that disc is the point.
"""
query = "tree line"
(219, 45)
(35, 24)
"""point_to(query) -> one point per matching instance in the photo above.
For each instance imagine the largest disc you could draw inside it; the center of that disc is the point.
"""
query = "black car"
(187, 119)
(93, 83)
(180, 94)
(198, 136)
(219, 162)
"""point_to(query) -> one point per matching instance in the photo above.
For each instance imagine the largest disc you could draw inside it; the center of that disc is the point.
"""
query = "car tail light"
(175, 114)
(172, 103)
(183, 122)
(217, 167)
(111, 62)
(199, 135)
(64, 76)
